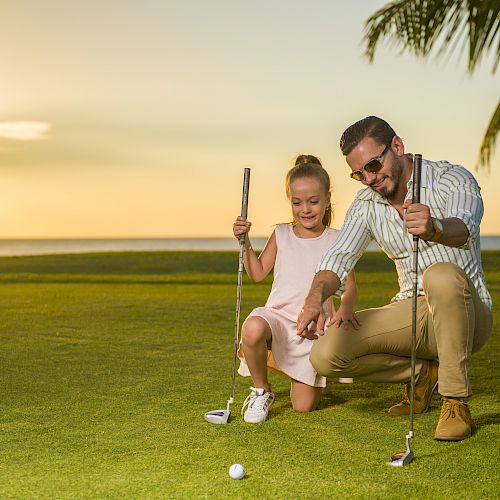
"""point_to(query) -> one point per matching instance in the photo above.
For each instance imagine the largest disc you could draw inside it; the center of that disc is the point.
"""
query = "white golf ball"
(236, 471)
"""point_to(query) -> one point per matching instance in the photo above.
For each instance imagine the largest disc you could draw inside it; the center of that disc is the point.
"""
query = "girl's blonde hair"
(310, 166)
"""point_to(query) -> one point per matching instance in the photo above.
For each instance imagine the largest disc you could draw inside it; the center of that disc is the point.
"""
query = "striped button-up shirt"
(449, 191)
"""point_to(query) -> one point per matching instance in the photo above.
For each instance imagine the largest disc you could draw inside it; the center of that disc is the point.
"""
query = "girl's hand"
(241, 226)
(346, 317)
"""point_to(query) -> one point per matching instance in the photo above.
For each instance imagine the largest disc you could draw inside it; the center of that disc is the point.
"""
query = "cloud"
(24, 131)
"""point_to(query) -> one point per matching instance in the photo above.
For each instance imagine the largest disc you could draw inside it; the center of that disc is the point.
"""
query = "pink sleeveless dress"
(294, 270)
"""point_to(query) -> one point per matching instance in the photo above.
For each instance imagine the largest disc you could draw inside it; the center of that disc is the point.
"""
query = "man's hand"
(311, 320)
(418, 220)
(324, 285)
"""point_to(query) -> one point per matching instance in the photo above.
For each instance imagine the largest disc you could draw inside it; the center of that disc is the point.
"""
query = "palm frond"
(489, 139)
(419, 26)
(484, 24)
(416, 26)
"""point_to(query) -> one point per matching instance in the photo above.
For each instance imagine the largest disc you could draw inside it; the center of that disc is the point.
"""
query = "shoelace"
(450, 409)
(406, 397)
(254, 401)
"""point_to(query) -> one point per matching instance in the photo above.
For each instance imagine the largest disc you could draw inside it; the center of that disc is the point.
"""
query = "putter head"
(217, 416)
(401, 458)
(220, 416)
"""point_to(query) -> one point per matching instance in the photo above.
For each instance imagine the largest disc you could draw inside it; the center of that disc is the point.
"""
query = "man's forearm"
(455, 233)
(324, 285)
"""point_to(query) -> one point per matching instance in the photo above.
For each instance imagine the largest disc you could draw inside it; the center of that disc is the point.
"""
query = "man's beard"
(395, 177)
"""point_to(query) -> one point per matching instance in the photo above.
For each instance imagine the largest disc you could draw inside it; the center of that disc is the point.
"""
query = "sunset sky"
(122, 118)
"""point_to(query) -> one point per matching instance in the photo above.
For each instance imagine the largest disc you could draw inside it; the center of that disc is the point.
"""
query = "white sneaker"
(257, 405)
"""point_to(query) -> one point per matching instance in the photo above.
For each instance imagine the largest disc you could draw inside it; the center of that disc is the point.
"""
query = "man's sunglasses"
(372, 167)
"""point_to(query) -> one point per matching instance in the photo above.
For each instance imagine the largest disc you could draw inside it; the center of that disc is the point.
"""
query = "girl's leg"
(255, 341)
(304, 397)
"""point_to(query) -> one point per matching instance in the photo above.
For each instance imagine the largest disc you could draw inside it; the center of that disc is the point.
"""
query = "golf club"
(405, 457)
(222, 416)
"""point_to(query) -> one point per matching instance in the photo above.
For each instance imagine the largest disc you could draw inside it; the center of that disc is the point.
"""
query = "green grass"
(108, 362)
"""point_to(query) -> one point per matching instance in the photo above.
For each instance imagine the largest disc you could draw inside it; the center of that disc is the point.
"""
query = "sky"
(124, 118)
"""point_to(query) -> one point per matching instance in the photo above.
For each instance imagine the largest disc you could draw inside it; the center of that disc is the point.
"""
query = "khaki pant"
(452, 323)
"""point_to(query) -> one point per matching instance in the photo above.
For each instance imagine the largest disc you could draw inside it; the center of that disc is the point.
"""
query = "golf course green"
(108, 362)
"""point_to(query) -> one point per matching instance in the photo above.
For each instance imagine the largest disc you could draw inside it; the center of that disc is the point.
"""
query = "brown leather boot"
(424, 388)
(455, 421)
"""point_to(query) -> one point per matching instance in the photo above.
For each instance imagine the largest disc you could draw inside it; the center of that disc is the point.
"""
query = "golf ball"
(236, 471)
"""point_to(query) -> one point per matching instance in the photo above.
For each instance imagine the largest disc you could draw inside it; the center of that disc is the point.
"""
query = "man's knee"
(320, 360)
(326, 356)
(442, 279)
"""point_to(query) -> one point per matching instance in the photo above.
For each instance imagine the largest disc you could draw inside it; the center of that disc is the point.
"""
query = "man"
(454, 307)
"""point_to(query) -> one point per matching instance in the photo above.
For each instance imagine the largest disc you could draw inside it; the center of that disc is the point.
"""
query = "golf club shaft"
(244, 212)
(417, 168)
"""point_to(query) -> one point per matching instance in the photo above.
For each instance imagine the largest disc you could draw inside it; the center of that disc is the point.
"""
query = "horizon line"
(49, 238)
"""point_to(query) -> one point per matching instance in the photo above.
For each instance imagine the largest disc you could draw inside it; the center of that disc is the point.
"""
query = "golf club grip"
(417, 172)
(244, 199)
(417, 175)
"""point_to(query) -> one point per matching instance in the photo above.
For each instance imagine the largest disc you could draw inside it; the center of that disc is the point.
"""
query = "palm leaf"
(421, 26)
(417, 26)
(489, 139)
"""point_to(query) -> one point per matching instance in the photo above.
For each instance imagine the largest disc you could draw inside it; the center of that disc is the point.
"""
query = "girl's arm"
(257, 267)
(350, 296)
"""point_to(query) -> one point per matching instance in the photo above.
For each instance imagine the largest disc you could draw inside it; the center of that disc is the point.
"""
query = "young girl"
(293, 250)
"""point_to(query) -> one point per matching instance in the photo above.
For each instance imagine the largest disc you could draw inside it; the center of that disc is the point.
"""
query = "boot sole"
(453, 438)
(407, 414)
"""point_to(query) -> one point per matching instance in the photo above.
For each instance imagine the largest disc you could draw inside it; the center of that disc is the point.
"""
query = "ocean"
(18, 247)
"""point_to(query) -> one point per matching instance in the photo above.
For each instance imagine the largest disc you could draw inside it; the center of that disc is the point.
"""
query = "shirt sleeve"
(350, 244)
(463, 199)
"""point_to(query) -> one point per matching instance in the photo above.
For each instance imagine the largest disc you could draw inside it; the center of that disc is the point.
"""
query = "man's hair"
(371, 126)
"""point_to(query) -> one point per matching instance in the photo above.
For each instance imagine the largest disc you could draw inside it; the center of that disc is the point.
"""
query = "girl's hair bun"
(303, 159)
